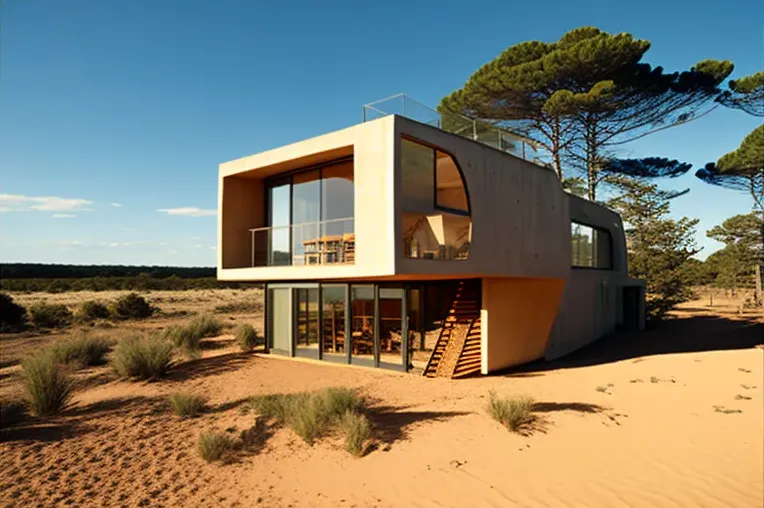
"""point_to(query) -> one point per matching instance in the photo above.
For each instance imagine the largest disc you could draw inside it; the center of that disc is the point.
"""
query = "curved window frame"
(435, 204)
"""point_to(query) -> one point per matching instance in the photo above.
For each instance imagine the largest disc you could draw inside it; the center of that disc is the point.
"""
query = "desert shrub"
(146, 357)
(241, 307)
(12, 411)
(215, 445)
(12, 315)
(515, 413)
(188, 337)
(187, 405)
(246, 337)
(309, 415)
(47, 385)
(91, 310)
(82, 350)
(131, 306)
(50, 315)
(357, 431)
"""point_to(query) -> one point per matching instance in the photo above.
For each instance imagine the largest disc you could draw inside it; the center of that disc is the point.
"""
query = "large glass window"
(391, 326)
(362, 322)
(277, 238)
(449, 187)
(333, 320)
(310, 218)
(591, 247)
(436, 221)
(307, 317)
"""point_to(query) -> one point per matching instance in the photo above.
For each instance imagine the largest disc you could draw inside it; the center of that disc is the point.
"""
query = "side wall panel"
(241, 209)
(516, 318)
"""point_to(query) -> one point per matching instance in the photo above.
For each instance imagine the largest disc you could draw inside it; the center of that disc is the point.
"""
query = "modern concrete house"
(397, 244)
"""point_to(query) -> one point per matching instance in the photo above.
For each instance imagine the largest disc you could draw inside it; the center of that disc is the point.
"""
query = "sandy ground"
(653, 438)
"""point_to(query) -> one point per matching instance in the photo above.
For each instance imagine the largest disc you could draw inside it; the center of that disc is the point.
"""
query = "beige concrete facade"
(534, 304)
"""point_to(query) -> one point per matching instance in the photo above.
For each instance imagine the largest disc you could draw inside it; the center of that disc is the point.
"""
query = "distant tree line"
(62, 278)
(56, 271)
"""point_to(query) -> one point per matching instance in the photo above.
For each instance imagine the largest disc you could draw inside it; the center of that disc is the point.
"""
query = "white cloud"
(164, 243)
(213, 247)
(21, 203)
(69, 242)
(172, 252)
(197, 246)
(116, 205)
(188, 211)
(63, 215)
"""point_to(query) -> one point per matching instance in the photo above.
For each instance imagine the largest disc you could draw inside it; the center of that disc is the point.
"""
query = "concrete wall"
(591, 305)
(516, 319)
(520, 225)
(371, 145)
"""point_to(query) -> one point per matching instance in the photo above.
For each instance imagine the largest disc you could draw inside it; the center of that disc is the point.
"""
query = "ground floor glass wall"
(385, 325)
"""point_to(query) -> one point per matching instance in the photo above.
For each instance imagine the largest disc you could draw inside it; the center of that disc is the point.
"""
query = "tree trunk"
(757, 290)
(556, 150)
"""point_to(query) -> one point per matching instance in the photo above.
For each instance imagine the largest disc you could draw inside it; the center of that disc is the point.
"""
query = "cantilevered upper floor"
(393, 198)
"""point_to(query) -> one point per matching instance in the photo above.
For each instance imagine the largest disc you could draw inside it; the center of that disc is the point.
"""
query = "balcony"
(328, 242)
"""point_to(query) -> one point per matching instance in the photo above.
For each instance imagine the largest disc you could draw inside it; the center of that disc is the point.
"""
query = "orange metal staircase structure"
(457, 352)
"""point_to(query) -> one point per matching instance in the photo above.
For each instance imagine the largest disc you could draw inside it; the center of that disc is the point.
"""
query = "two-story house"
(397, 244)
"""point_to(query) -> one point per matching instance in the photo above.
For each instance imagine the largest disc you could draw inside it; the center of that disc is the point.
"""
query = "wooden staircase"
(457, 352)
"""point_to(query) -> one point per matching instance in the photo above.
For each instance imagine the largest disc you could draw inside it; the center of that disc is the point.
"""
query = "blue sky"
(114, 115)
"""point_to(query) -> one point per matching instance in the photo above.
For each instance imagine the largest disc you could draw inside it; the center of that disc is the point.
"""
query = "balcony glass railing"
(312, 243)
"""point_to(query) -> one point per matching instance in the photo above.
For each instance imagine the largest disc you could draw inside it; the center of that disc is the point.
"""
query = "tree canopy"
(746, 94)
(583, 93)
(741, 169)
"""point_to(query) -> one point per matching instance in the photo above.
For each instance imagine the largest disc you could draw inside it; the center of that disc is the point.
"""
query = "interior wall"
(516, 317)
(241, 210)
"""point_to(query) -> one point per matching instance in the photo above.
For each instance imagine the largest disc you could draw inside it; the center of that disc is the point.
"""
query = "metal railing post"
(253, 248)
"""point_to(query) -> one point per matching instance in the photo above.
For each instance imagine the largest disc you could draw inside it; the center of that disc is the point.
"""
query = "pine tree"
(659, 249)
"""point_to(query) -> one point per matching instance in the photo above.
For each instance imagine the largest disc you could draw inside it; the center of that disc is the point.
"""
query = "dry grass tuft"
(187, 405)
(515, 413)
(146, 357)
(47, 385)
(247, 337)
(214, 446)
(82, 350)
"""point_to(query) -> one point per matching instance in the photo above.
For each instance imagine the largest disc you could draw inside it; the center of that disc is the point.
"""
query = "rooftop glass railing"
(477, 130)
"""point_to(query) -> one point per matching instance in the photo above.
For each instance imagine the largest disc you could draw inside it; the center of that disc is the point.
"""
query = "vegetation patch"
(188, 337)
(214, 446)
(47, 386)
(82, 350)
(742, 397)
(47, 315)
(91, 310)
(358, 433)
(131, 306)
(241, 307)
(313, 415)
(726, 411)
(187, 405)
(515, 413)
(247, 337)
(12, 315)
(142, 357)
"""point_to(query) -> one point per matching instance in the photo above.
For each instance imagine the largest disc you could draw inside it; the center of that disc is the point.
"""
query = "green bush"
(187, 405)
(12, 411)
(147, 357)
(48, 315)
(246, 337)
(131, 306)
(188, 337)
(515, 413)
(215, 446)
(12, 315)
(309, 415)
(91, 310)
(48, 386)
(82, 350)
(357, 431)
